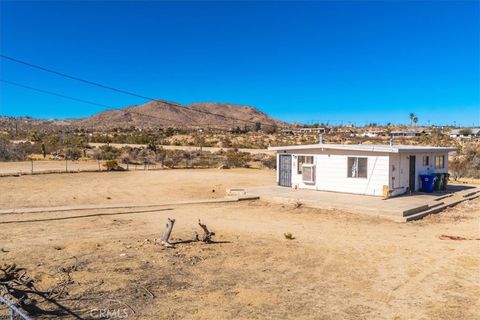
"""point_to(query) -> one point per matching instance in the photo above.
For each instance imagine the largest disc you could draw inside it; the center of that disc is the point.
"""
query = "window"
(303, 160)
(439, 162)
(426, 161)
(308, 174)
(357, 167)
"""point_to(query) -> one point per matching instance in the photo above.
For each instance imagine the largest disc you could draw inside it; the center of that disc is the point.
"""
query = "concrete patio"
(401, 209)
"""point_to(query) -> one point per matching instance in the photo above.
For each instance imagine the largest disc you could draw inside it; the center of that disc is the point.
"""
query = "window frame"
(440, 164)
(427, 162)
(357, 162)
(301, 163)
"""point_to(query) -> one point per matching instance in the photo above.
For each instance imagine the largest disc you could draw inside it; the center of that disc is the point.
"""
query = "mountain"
(156, 114)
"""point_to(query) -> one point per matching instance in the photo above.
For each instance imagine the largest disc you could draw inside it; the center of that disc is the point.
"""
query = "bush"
(111, 165)
(458, 168)
(73, 154)
(269, 162)
(234, 158)
(106, 153)
(10, 151)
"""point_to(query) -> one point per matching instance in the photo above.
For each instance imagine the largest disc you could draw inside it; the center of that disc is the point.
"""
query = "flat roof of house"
(473, 130)
(365, 147)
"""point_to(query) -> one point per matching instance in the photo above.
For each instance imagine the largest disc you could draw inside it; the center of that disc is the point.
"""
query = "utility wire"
(53, 93)
(176, 105)
(109, 108)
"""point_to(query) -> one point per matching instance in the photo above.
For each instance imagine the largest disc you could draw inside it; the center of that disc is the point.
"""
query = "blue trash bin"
(428, 182)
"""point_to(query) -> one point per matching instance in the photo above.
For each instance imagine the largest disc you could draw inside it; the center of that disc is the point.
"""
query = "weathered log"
(167, 233)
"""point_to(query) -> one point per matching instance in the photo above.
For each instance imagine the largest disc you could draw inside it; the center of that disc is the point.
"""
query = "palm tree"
(415, 120)
(412, 115)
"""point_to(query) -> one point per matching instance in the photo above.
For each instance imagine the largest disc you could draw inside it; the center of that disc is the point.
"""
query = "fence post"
(31, 161)
(66, 164)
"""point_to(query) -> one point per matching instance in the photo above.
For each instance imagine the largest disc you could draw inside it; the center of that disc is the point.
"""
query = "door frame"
(285, 176)
(412, 174)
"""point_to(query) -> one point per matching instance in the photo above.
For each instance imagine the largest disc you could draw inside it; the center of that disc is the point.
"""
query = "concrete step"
(443, 197)
(420, 209)
(439, 208)
(471, 193)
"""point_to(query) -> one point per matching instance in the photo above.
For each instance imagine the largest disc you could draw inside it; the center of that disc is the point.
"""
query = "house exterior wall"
(383, 169)
(400, 168)
(331, 169)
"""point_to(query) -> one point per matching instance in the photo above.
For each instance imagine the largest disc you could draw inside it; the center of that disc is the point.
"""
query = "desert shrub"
(111, 165)
(226, 142)
(10, 151)
(106, 153)
(465, 132)
(471, 153)
(269, 162)
(73, 153)
(458, 168)
(173, 158)
(234, 158)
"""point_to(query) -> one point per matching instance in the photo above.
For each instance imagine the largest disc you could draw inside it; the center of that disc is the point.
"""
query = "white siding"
(399, 169)
(331, 172)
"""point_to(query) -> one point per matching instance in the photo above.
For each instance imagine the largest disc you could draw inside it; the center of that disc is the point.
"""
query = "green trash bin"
(445, 180)
(440, 182)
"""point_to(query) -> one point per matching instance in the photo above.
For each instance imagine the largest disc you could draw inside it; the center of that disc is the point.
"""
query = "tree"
(415, 120)
(466, 132)
(152, 146)
(161, 155)
(35, 137)
(126, 160)
(412, 115)
(73, 154)
(458, 167)
(44, 150)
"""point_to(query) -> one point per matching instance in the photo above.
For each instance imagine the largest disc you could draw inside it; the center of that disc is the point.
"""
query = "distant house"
(371, 134)
(295, 131)
(312, 130)
(465, 133)
(361, 169)
(408, 133)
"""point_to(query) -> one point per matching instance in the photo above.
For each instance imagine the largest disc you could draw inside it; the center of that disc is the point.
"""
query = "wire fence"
(36, 167)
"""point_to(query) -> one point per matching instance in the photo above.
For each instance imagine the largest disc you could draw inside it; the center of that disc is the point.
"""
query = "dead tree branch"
(207, 235)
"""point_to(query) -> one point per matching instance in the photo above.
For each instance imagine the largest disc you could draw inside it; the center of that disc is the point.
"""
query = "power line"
(53, 93)
(109, 108)
(103, 86)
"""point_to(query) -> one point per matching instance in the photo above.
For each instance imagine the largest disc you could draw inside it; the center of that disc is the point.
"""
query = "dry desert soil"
(339, 266)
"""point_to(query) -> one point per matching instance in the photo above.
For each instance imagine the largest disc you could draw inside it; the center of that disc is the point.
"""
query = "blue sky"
(351, 61)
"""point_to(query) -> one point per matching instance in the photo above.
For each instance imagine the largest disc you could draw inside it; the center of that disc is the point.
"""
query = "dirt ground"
(339, 266)
(131, 187)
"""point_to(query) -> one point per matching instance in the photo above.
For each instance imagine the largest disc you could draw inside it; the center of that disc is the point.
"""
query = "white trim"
(365, 147)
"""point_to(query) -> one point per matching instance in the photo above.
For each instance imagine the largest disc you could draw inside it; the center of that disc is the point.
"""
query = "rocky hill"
(156, 114)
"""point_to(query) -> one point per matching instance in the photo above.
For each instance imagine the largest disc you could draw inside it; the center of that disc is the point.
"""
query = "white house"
(465, 133)
(362, 169)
